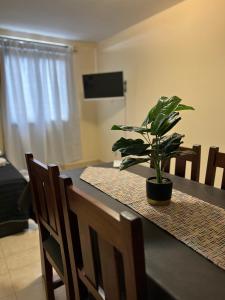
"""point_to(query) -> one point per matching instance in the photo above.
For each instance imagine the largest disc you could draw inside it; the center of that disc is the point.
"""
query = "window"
(25, 75)
(39, 107)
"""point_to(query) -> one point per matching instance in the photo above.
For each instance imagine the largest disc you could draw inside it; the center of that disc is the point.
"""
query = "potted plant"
(155, 146)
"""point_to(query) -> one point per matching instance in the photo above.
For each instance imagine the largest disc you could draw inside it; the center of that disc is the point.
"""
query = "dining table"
(173, 270)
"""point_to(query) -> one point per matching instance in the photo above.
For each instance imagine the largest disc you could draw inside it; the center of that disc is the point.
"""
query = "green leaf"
(163, 123)
(135, 149)
(165, 106)
(171, 105)
(130, 128)
(157, 123)
(131, 147)
(184, 107)
(123, 143)
(169, 143)
(170, 155)
(130, 161)
(155, 110)
(169, 124)
(169, 139)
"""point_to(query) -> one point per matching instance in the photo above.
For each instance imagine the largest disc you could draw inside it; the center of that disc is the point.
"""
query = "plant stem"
(158, 172)
(157, 162)
(147, 140)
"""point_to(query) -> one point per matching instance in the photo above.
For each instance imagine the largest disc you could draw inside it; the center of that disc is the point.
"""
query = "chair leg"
(48, 278)
(42, 260)
(69, 292)
(68, 282)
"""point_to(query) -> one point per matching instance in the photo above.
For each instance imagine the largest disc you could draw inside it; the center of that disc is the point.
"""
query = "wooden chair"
(54, 250)
(106, 248)
(180, 163)
(215, 159)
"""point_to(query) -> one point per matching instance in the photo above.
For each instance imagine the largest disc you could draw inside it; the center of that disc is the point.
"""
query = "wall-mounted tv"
(103, 85)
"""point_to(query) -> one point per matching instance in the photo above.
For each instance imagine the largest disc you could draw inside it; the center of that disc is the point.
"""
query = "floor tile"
(24, 258)
(60, 293)
(6, 288)
(12, 297)
(3, 267)
(18, 243)
(34, 291)
(20, 268)
(26, 276)
(1, 252)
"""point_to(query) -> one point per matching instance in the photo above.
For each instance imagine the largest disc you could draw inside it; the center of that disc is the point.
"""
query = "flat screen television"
(103, 85)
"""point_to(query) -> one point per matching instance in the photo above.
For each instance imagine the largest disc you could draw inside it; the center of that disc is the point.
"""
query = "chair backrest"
(181, 162)
(106, 248)
(46, 195)
(49, 215)
(215, 159)
(194, 158)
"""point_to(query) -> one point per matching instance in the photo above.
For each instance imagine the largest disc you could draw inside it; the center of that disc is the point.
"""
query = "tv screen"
(103, 85)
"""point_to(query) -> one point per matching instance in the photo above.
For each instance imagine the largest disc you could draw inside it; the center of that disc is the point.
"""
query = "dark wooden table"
(173, 269)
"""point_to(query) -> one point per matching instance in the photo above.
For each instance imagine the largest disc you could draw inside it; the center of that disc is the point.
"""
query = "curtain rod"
(6, 37)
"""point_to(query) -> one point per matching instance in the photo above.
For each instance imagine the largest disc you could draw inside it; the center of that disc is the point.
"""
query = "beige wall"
(84, 62)
(180, 51)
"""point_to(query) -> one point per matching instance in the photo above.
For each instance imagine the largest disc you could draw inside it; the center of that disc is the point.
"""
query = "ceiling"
(87, 20)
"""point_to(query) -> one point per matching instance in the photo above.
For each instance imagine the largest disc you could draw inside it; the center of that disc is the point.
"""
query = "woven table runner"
(198, 224)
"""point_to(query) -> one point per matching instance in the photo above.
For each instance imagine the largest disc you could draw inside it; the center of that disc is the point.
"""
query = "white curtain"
(39, 109)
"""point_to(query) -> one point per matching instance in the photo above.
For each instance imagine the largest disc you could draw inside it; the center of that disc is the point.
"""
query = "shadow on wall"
(134, 34)
(111, 108)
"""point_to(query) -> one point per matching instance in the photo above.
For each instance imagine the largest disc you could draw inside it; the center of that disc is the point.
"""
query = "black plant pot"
(159, 193)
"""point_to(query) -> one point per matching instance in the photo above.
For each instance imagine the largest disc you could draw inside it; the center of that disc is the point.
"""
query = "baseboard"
(80, 164)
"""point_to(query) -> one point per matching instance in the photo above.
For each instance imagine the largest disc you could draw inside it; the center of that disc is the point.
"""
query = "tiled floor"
(20, 268)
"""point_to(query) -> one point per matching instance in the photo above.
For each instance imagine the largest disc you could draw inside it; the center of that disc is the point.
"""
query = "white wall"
(180, 51)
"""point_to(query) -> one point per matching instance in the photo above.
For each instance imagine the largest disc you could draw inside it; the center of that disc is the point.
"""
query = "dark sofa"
(14, 205)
